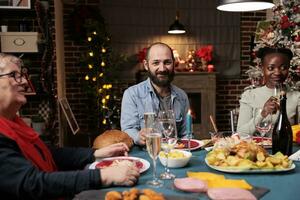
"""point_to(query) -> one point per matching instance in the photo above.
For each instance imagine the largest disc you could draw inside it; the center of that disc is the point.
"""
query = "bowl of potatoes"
(176, 158)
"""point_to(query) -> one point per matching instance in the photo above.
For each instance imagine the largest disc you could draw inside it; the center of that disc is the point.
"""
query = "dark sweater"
(20, 179)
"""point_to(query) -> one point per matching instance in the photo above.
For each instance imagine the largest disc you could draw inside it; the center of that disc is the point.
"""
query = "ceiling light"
(244, 5)
(176, 27)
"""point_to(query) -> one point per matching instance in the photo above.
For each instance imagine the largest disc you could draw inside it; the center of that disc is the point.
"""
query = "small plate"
(263, 141)
(195, 144)
(142, 164)
(248, 171)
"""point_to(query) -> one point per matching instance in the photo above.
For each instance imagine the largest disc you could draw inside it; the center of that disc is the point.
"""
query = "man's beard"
(164, 82)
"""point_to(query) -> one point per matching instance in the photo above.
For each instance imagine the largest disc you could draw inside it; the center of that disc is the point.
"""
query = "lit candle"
(189, 123)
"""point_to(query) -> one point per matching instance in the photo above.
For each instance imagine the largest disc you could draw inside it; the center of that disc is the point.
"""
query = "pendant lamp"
(176, 27)
(244, 5)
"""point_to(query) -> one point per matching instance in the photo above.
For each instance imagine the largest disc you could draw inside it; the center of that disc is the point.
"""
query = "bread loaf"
(111, 137)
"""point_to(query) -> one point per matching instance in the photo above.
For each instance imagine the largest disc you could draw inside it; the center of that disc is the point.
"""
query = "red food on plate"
(183, 144)
(106, 163)
(263, 141)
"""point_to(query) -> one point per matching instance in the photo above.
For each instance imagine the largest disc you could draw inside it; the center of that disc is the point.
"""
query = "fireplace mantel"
(202, 85)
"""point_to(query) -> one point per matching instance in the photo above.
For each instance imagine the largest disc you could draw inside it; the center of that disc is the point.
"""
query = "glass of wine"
(264, 127)
(153, 144)
(149, 118)
(167, 123)
(276, 91)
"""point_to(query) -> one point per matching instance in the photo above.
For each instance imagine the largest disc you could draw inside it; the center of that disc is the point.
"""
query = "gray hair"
(8, 58)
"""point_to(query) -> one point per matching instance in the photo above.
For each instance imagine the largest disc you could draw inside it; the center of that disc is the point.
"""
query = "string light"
(98, 50)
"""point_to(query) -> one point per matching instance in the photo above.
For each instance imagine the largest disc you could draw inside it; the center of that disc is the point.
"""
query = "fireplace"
(201, 90)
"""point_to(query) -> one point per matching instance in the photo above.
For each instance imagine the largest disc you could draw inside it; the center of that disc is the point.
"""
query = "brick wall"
(229, 91)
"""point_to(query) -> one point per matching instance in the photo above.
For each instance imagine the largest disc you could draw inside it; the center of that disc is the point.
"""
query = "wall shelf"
(19, 42)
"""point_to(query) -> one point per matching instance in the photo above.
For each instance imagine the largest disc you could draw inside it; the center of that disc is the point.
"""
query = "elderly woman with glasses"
(31, 170)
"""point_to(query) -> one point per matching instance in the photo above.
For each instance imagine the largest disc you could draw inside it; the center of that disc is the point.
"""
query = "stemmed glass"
(153, 144)
(264, 127)
(277, 90)
(166, 120)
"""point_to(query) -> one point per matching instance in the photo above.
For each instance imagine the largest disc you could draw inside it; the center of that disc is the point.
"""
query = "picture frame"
(15, 4)
(69, 115)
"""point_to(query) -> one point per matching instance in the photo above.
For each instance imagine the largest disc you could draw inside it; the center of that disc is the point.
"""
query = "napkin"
(295, 156)
(219, 181)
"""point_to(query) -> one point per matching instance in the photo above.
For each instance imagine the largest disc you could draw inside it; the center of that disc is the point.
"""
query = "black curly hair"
(262, 52)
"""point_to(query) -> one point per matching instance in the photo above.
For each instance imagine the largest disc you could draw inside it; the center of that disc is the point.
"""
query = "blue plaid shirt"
(141, 98)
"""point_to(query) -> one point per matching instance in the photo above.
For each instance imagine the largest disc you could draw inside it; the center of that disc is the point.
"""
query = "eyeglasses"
(16, 75)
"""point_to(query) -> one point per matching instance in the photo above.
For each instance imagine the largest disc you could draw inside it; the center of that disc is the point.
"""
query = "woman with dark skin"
(257, 104)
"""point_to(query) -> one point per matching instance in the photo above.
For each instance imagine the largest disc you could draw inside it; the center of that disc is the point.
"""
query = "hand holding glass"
(264, 127)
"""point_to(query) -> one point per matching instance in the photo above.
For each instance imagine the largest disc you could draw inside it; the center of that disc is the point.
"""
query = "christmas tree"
(282, 32)
(90, 29)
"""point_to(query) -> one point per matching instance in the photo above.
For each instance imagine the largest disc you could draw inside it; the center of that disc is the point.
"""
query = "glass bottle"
(282, 138)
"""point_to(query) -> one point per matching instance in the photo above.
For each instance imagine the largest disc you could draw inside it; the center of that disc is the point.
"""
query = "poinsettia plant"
(205, 53)
(142, 54)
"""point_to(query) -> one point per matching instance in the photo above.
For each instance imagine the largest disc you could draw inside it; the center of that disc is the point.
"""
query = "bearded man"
(154, 94)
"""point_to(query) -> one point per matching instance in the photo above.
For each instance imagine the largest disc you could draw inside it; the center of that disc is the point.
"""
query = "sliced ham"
(190, 185)
(230, 194)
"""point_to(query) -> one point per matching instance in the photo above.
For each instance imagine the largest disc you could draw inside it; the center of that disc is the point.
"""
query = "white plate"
(195, 144)
(144, 167)
(248, 171)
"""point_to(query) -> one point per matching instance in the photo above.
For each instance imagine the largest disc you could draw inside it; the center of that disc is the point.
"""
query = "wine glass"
(153, 144)
(264, 127)
(166, 120)
(277, 90)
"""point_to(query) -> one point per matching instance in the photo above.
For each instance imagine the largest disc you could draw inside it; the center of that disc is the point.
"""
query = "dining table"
(275, 185)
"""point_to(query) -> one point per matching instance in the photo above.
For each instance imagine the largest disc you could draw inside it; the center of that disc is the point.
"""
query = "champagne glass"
(149, 118)
(277, 90)
(166, 120)
(153, 144)
(264, 127)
